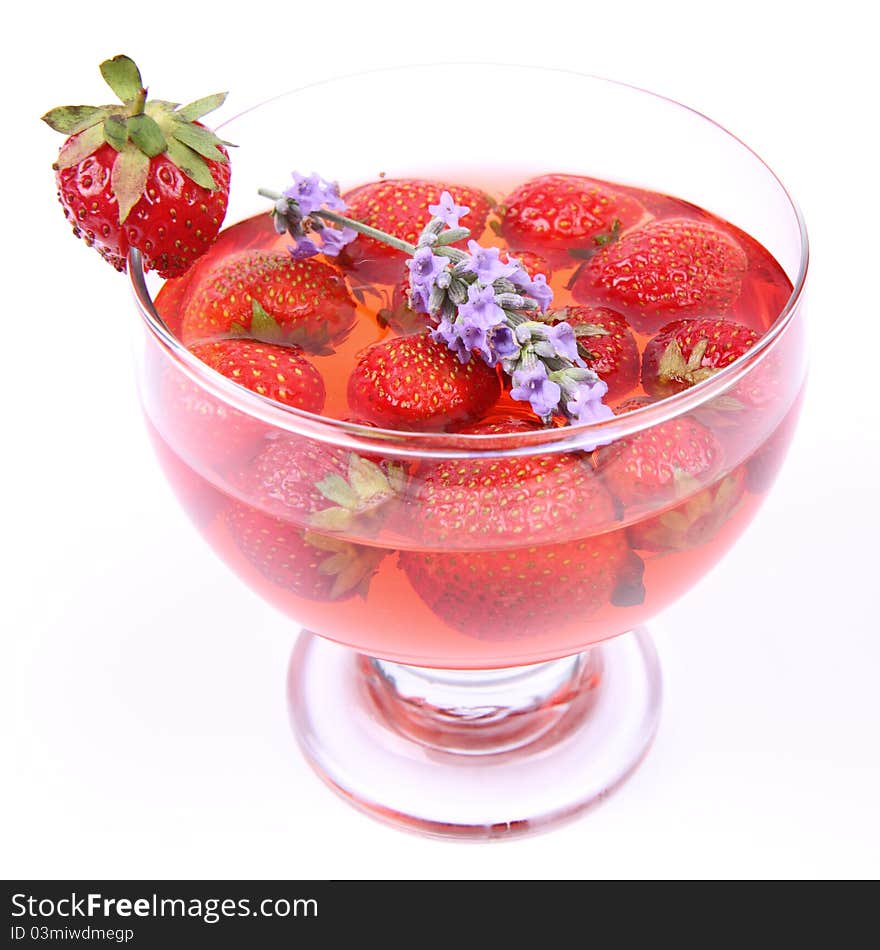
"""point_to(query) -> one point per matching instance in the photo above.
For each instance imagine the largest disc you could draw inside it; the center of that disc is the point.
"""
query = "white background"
(142, 694)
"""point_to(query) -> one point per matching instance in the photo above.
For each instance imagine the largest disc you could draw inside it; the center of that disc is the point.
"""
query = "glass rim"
(404, 443)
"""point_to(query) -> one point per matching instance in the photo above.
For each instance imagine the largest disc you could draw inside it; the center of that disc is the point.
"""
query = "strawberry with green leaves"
(269, 296)
(300, 491)
(686, 352)
(416, 383)
(142, 174)
(400, 207)
(657, 465)
(694, 522)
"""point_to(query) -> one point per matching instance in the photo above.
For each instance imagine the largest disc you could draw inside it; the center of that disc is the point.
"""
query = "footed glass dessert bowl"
(472, 570)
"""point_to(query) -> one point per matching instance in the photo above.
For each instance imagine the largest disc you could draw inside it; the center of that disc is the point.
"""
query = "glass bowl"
(492, 675)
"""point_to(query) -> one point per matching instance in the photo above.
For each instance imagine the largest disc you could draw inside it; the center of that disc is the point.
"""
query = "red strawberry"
(532, 499)
(400, 207)
(272, 297)
(415, 383)
(648, 468)
(142, 175)
(509, 592)
(553, 214)
(298, 489)
(686, 352)
(281, 373)
(320, 486)
(694, 522)
(675, 267)
(607, 346)
(304, 563)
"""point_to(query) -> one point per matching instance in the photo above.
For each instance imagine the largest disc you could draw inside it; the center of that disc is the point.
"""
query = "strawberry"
(319, 486)
(270, 296)
(510, 591)
(674, 267)
(553, 214)
(400, 207)
(281, 373)
(607, 346)
(255, 232)
(305, 563)
(649, 467)
(416, 383)
(686, 352)
(298, 489)
(695, 521)
(143, 175)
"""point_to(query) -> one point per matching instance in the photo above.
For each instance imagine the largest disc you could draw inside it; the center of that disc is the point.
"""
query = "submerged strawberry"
(552, 214)
(400, 207)
(675, 267)
(607, 346)
(694, 522)
(416, 383)
(686, 352)
(648, 467)
(281, 373)
(269, 296)
(143, 175)
(304, 563)
(320, 486)
(526, 586)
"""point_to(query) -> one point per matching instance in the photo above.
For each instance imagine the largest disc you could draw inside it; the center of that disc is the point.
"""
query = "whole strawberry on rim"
(139, 174)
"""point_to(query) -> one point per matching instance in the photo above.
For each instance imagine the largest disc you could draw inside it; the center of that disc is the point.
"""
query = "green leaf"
(147, 135)
(191, 164)
(263, 326)
(199, 140)
(128, 178)
(123, 77)
(336, 489)
(80, 146)
(195, 110)
(115, 132)
(72, 119)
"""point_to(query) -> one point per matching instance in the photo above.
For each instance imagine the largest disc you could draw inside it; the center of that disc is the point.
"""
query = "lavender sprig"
(478, 303)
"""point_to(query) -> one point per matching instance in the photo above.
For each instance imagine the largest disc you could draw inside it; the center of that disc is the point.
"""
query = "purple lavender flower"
(503, 344)
(335, 239)
(484, 262)
(311, 192)
(535, 287)
(531, 384)
(303, 248)
(481, 308)
(424, 269)
(448, 211)
(540, 291)
(564, 343)
(448, 333)
(587, 405)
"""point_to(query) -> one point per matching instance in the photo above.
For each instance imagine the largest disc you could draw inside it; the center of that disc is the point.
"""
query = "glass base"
(475, 753)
